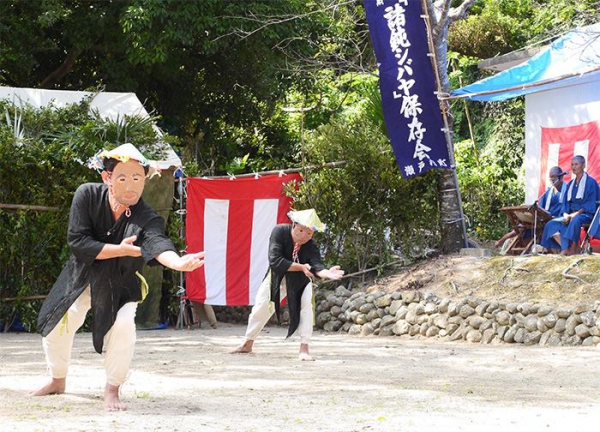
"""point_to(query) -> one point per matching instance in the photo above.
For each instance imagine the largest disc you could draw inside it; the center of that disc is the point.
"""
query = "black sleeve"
(80, 235)
(154, 241)
(277, 242)
(314, 257)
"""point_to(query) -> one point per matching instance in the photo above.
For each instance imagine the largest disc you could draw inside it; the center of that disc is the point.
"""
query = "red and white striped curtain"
(560, 144)
(231, 220)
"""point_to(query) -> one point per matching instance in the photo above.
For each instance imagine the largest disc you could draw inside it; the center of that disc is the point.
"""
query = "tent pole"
(181, 291)
(443, 109)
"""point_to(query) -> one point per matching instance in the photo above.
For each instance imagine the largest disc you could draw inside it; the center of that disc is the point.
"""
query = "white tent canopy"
(109, 105)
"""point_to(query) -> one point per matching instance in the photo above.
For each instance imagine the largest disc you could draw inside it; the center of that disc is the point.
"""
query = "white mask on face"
(126, 182)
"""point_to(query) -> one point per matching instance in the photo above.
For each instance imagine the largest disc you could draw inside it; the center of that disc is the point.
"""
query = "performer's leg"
(551, 234)
(210, 315)
(120, 344)
(571, 234)
(59, 342)
(259, 316)
(306, 321)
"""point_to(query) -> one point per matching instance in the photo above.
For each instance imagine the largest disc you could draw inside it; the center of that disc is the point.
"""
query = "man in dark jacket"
(112, 232)
(293, 255)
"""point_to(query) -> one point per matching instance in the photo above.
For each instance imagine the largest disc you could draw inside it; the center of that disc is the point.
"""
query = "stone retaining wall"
(471, 319)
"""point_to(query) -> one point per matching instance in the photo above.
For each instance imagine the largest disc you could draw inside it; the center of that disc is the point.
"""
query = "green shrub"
(370, 210)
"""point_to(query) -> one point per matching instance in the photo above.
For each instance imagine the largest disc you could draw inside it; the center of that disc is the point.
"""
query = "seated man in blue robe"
(551, 201)
(579, 206)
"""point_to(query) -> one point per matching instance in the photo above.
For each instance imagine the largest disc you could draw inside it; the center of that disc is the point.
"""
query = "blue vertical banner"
(407, 84)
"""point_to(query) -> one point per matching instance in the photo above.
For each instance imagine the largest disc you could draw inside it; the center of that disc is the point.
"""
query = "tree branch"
(58, 74)
(439, 16)
(270, 21)
(459, 12)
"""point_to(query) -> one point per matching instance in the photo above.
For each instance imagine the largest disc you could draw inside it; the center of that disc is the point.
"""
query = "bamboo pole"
(27, 207)
(27, 298)
(358, 273)
(284, 171)
(449, 144)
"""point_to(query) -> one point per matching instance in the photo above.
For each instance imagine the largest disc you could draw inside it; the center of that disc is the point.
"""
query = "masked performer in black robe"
(111, 233)
(293, 255)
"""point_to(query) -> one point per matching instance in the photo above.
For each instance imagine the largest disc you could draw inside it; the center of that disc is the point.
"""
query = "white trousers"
(119, 342)
(263, 309)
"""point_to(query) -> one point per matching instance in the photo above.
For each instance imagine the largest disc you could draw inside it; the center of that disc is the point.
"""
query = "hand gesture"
(334, 273)
(190, 262)
(129, 249)
(306, 271)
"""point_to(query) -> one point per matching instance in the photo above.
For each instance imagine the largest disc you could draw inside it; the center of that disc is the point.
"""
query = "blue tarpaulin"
(567, 60)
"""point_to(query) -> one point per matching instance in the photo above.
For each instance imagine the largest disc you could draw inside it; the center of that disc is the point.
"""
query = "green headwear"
(307, 218)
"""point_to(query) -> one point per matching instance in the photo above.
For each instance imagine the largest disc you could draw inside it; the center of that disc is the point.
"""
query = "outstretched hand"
(185, 263)
(334, 273)
(190, 262)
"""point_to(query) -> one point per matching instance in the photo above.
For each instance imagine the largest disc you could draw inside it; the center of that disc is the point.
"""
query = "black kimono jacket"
(113, 282)
(281, 247)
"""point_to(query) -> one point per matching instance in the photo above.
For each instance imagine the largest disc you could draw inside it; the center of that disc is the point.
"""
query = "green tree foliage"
(555, 17)
(369, 208)
(496, 28)
(41, 154)
(214, 69)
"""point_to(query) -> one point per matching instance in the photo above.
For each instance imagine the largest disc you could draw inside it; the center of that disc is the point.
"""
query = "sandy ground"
(186, 380)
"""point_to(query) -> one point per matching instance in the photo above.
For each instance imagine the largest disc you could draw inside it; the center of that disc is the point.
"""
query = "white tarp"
(110, 105)
(565, 108)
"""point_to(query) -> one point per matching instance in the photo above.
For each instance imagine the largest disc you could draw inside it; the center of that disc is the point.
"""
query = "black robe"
(281, 247)
(113, 282)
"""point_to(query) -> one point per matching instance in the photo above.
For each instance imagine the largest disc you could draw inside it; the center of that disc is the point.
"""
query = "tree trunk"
(58, 74)
(451, 216)
(452, 224)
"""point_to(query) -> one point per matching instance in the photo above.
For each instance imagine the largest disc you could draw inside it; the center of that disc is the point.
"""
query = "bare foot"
(55, 386)
(245, 348)
(304, 355)
(111, 399)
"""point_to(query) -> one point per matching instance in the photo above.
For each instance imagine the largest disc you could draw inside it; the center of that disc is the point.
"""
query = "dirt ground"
(186, 380)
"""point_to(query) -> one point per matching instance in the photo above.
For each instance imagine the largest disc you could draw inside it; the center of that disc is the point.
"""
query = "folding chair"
(586, 243)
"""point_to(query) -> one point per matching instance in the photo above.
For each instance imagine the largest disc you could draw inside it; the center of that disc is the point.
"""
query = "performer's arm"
(125, 248)
(316, 264)
(189, 262)
(589, 201)
(305, 268)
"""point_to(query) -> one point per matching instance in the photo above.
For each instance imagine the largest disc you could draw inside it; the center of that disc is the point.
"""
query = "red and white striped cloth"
(231, 220)
(560, 144)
